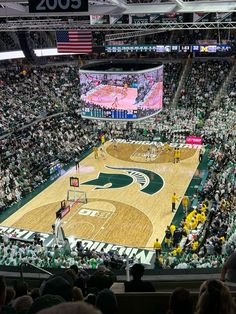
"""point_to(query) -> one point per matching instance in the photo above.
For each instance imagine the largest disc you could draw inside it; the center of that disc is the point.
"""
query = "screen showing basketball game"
(121, 95)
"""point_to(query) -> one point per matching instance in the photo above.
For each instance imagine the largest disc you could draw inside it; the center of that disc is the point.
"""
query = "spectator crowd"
(73, 291)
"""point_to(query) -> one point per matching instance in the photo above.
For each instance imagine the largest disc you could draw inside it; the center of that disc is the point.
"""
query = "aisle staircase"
(185, 73)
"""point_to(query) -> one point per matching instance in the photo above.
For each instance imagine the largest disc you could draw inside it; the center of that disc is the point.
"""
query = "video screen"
(121, 95)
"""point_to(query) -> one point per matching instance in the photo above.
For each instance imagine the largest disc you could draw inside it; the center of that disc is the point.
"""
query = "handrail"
(34, 266)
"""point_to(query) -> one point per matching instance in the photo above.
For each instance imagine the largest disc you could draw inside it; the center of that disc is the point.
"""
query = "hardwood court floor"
(129, 196)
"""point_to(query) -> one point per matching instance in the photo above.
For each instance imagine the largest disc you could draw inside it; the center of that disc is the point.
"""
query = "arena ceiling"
(14, 15)
(11, 8)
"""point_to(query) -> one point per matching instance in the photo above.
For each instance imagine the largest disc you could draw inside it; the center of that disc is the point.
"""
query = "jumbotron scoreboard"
(121, 90)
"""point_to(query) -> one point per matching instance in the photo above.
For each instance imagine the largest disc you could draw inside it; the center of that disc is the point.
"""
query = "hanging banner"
(99, 19)
(167, 18)
(119, 19)
(202, 17)
(140, 19)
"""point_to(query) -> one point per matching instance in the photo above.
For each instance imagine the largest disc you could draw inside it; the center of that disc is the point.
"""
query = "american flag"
(78, 41)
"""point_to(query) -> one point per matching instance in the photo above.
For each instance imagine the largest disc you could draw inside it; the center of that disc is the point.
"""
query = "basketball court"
(122, 98)
(123, 198)
(105, 96)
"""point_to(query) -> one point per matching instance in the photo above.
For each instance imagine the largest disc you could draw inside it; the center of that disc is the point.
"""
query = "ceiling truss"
(125, 35)
(15, 16)
(57, 24)
(19, 8)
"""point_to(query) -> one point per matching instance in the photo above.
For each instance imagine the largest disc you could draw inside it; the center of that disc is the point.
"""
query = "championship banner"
(99, 19)
(228, 17)
(115, 19)
(119, 19)
(201, 17)
(140, 19)
(172, 17)
(46, 6)
(224, 17)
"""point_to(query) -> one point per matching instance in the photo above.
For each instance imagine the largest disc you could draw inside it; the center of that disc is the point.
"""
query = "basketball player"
(178, 155)
(125, 90)
(166, 147)
(77, 166)
(103, 139)
(114, 144)
(109, 89)
(175, 155)
(95, 151)
(157, 247)
(115, 103)
(153, 150)
(148, 154)
(185, 202)
(168, 237)
(102, 152)
(174, 199)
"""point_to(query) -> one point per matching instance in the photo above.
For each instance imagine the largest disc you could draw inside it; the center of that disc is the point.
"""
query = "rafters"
(57, 24)
(125, 35)
(97, 7)
(13, 11)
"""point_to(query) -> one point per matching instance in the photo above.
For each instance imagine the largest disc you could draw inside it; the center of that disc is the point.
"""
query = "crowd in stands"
(207, 233)
(202, 84)
(15, 251)
(42, 40)
(32, 93)
(28, 94)
(27, 154)
(169, 126)
(9, 41)
(172, 73)
(208, 239)
(73, 291)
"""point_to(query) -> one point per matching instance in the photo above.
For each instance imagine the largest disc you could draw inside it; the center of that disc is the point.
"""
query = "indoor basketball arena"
(117, 161)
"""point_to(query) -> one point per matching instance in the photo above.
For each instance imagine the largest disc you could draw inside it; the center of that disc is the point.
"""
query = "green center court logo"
(150, 182)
